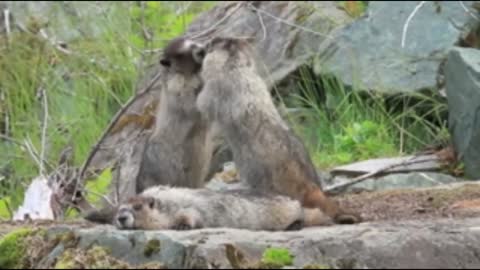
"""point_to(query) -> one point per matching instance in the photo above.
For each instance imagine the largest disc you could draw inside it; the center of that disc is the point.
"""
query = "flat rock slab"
(444, 243)
(403, 164)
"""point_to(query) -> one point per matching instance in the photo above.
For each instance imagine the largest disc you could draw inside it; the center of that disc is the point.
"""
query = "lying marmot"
(174, 208)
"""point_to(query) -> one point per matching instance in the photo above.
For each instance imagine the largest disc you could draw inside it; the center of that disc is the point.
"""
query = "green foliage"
(99, 185)
(4, 204)
(12, 249)
(83, 89)
(277, 256)
(341, 125)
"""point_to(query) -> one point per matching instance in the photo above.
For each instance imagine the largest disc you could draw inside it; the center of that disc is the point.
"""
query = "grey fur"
(183, 208)
(179, 150)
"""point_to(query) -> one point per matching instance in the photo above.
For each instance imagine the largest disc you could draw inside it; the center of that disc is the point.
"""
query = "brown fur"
(269, 156)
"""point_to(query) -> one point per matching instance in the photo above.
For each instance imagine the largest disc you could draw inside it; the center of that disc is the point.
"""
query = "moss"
(152, 247)
(278, 257)
(12, 248)
(95, 258)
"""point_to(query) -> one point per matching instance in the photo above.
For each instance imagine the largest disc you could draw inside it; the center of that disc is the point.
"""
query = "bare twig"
(289, 23)
(55, 44)
(469, 11)
(6, 17)
(32, 151)
(264, 29)
(374, 173)
(99, 195)
(213, 27)
(407, 22)
(44, 132)
(12, 140)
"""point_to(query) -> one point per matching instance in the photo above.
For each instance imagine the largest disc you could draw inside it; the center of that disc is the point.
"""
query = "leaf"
(99, 185)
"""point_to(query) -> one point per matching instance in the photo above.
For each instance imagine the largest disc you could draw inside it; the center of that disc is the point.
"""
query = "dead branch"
(337, 187)
(112, 123)
(58, 45)
(6, 17)
(44, 131)
(211, 29)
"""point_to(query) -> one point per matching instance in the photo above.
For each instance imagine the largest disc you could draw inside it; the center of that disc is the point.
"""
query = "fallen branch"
(337, 187)
(113, 122)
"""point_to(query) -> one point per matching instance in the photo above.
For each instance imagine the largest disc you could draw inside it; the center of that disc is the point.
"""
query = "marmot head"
(183, 56)
(140, 213)
(223, 51)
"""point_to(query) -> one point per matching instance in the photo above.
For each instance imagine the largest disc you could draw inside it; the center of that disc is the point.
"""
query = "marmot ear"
(165, 62)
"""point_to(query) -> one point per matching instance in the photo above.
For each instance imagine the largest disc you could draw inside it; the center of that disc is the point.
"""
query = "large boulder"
(369, 54)
(462, 76)
(408, 244)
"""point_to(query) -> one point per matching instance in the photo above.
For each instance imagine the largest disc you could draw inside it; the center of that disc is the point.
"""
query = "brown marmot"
(269, 156)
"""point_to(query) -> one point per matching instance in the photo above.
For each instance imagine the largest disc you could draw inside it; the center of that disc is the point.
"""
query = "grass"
(83, 89)
(341, 125)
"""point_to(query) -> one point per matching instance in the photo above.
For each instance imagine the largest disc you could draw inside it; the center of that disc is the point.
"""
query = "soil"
(411, 204)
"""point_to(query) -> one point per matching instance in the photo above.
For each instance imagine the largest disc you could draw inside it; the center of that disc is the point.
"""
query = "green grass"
(277, 257)
(83, 89)
(340, 125)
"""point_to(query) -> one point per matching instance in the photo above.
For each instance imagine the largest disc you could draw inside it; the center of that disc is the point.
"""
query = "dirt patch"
(459, 202)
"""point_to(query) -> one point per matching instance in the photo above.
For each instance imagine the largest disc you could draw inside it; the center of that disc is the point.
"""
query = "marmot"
(178, 152)
(171, 208)
(267, 153)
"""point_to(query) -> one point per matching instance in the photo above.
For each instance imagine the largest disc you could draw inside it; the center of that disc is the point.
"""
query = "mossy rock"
(12, 248)
(97, 258)
(152, 247)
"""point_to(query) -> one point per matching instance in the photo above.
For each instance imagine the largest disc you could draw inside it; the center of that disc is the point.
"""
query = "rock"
(282, 48)
(444, 243)
(397, 181)
(369, 54)
(462, 77)
(405, 164)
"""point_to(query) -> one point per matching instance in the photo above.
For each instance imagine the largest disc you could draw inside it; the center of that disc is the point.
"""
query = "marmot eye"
(165, 63)
(137, 207)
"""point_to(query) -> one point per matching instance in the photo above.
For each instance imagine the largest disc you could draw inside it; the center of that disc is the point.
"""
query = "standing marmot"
(269, 156)
(179, 150)
(163, 208)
